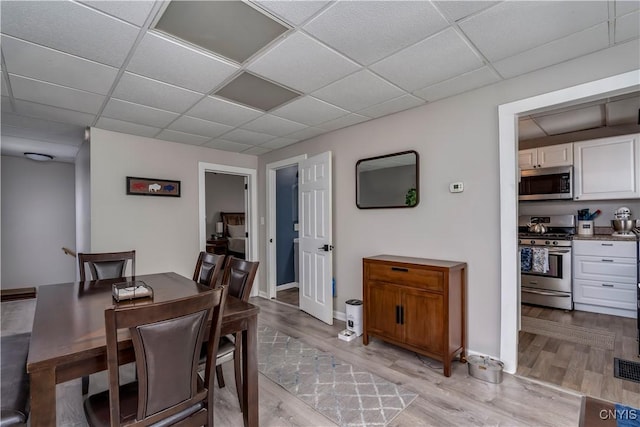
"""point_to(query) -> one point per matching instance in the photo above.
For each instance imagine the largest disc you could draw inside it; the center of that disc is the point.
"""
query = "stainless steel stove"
(545, 269)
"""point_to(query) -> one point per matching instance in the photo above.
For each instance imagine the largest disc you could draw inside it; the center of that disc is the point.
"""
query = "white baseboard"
(286, 286)
(264, 295)
(339, 315)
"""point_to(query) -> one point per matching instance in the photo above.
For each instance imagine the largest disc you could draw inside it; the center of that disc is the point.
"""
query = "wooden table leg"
(43, 398)
(250, 373)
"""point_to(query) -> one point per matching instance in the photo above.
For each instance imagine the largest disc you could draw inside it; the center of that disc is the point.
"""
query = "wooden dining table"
(68, 337)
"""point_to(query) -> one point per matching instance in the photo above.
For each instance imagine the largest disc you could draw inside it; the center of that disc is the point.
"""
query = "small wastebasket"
(354, 316)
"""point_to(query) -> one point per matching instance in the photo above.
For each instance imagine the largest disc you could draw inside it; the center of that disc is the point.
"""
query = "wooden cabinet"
(604, 276)
(607, 168)
(549, 156)
(416, 303)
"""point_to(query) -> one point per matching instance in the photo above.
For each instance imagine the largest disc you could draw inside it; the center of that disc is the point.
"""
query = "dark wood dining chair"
(169, 389)
(238, 276)
(208, 269)
(106, 265)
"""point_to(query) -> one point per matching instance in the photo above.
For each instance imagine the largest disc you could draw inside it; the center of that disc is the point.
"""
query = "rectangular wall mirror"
(389, 181)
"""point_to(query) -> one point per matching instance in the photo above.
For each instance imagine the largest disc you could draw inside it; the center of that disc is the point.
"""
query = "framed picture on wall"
(152, 187)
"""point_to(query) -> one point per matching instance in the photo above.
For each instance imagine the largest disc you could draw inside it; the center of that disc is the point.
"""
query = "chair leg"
(85, 385)
(220, 376)
(237, 357)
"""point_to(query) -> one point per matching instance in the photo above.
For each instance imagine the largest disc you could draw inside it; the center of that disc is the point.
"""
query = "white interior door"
(316, 261)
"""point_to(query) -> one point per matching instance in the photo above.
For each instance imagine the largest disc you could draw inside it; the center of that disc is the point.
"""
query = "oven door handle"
(554, 251)
(545, 293)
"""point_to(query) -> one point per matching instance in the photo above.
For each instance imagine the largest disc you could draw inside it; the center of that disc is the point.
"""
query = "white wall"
(162, 230)
(83, 199)
(38, 219)
(457, 140)
(224, 193)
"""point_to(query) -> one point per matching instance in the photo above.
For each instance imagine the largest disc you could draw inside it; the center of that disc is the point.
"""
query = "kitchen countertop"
(604, 233)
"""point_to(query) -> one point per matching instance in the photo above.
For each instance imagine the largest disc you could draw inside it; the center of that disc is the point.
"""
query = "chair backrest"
(107, 265)
(208, 269)
(239, 276)
(168, 381)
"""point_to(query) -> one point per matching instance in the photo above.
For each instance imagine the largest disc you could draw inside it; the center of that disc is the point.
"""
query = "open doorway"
(225, 195)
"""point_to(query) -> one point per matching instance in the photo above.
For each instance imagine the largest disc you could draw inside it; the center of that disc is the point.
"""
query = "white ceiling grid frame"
(200, 127)
(244, 136)
(182, 137)
(459, 84)
(344, 121)
(222, 144)
(142, 114)
(223, 111)
(395, 105)
(273, 125)
(294, 12)
(127, 127)
(626, 27)
(135, 12)
(310, 111)
(55, 114)
(154, 93)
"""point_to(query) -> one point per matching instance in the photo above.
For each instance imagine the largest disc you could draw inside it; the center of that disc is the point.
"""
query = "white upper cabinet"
(607, 168)
(546, 157)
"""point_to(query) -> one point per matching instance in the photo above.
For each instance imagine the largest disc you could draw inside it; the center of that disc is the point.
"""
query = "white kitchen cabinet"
(607, 168)
(547, 157)
(605, 276)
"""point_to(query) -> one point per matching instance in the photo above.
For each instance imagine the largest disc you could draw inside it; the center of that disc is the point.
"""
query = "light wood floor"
(579, 367)
(289, 296)
(459, 400)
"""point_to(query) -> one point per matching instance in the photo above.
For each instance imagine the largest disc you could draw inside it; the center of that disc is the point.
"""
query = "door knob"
(326, 248)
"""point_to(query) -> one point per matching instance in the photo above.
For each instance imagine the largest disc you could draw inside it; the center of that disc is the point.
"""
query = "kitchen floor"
(580, 367)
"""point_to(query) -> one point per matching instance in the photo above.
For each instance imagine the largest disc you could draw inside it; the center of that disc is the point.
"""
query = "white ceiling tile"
(343, 122)
(431, 61)
(39, 129)
(135, 12)
(465, 82)
(295, 12)
(572, 120)
(256, 151)
(247, 137)
(131, 112)
(18, 145)
(357, 91)
(572, 46)
(307, 133)
(222, 144)
(515, 26)
(153, 93)
(456, 10)
(401, 103)
(199, 127)
(367, 31)
(624, 111)
(273, 125)
(274, 144)
(528, 129)
(302, 63)
(627, 27)
(222, 111)
(163, 59)
(310, 111)
(70, 27)
(181, 137)
(53, 113)
(39, 62)
(126, 127)
(55, 95)
(625, 6)
(5, 91)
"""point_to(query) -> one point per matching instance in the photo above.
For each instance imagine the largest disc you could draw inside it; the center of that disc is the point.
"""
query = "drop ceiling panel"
(295, 12)
(463, 83)
(627, 27)
(529, 129)
(357, 91)
(625, 111)
(256, 92)
(392, 106)
(69, 27)
(127, 127)
(371, 33)
(135, 12)
(437, 58)
(307, 133)
(129, 111)
(256, 151)
(456, 10)
(273, 125)
(625, 6)
(310, 111)
(302, 63)
(41, 63)
(225, 145)
(578, 44)
(512, 27)
(153, 93)
(164, 60)
(5, 91)
(343, 121)
(55, 114)
(54, 95)
(222, 111)
(199, 127)
(572, 120)
(244, 136)
(38, 129)
(277, 143)
(181, 137)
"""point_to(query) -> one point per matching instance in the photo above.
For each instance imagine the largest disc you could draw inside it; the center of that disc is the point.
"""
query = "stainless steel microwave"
(546, 183)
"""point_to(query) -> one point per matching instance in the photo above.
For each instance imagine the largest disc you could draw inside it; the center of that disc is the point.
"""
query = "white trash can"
(354, 316)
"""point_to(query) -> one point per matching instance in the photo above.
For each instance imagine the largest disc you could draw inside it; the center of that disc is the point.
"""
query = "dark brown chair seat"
(15, 380)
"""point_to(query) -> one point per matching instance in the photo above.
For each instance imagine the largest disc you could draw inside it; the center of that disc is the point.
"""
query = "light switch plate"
(456, 187)
(296, 226)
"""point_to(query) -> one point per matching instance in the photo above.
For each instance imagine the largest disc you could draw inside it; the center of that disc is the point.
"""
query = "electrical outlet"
(456, 187)
(296, 226)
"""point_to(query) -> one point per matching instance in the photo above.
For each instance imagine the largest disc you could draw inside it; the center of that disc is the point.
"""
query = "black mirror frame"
(417, 188)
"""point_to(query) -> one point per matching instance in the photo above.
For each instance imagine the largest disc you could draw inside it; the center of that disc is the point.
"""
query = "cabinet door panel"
(424, 320)
(382, 300)
(555, 155)
(600, 268)
(528, 159)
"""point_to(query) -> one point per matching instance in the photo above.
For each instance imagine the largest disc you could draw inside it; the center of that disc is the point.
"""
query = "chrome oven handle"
(550, 294)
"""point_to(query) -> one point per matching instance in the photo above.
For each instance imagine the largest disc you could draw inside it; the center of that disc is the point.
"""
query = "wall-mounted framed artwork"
(152, 187)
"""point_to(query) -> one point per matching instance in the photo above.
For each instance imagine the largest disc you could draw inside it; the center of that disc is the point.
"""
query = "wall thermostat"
(456, 187)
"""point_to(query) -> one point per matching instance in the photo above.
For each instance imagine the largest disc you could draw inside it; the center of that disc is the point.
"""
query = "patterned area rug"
(589, 336)
(347, 395)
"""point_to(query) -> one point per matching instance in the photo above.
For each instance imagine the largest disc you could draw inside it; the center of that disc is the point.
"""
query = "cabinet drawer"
(408, 276)
(607, 248)
(606, 294)
(599, 268)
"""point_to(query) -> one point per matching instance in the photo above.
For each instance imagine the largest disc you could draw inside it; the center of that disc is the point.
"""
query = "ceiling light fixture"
(38, 157)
